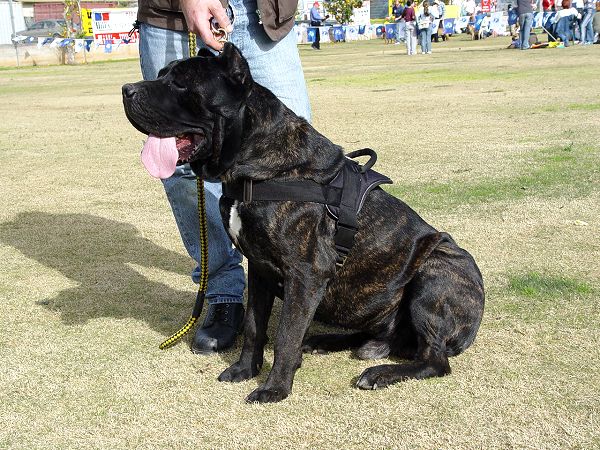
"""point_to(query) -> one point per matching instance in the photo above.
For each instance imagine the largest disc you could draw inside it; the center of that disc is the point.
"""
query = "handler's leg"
(225, 290)
(274, 65)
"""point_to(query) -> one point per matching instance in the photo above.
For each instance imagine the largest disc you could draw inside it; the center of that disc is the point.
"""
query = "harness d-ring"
(202, 285)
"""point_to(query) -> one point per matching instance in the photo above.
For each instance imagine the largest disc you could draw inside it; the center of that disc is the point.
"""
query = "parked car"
(45, 28)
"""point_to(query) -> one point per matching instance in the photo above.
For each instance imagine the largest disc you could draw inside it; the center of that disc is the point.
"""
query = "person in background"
(563, 20)
(438, 9)
(397, 10)
(272, 54)
(484, 27)
(410, 17)
(578, 5)
(425, 21)
(316, 20)
(548, 5)
(513, 19)
(525, 12)
(469, 7)
(587, 23)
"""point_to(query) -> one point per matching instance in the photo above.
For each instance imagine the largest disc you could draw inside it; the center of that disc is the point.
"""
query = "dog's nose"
(128, 90)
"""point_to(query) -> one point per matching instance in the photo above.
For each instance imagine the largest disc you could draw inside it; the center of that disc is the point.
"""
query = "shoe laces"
(219, 313)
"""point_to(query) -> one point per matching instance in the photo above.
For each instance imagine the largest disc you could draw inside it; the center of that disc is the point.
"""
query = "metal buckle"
(247, 197)
(342, 255)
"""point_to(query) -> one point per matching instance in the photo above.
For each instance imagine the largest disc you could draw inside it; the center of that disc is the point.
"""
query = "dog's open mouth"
(188, 146)
(160, 156)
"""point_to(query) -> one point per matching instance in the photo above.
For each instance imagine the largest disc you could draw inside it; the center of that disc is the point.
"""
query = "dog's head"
(199, 102)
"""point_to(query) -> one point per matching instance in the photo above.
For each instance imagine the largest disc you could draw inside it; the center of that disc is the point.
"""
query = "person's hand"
(197, 16)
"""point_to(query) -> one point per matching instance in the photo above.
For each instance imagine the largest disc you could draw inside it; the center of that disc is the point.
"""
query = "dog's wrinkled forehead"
(188, 69)
(223, 75)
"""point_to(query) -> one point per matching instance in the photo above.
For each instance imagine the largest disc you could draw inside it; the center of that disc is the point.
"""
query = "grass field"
(501, 148)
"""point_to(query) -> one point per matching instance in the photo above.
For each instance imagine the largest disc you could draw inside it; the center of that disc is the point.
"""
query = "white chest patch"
(235, 223)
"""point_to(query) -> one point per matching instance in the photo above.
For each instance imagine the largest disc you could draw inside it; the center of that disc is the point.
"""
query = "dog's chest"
(235, 223)
(247, 229)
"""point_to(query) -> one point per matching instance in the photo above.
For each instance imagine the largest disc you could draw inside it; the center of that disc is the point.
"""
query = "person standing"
(269, 45)
(525, 12)
(397, 10)
(316, 20)
(409, 17)
(587, 23)
(425, 22)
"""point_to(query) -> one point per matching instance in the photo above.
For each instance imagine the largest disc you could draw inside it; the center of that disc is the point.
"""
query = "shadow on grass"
(96, 254)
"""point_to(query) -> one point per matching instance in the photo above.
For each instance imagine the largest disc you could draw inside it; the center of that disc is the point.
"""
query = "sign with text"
(114, 24)
(86, 22)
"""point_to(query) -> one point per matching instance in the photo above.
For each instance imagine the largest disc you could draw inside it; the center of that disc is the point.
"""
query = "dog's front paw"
(238, 372)
(374, 378)
(264, 395)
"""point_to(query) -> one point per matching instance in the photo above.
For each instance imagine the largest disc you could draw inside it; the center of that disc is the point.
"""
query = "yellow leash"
(174, 338)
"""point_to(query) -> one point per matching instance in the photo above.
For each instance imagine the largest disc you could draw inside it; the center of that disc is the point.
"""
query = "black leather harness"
(343, 197)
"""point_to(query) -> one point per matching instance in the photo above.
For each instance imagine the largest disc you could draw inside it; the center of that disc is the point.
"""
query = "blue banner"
(449, 26)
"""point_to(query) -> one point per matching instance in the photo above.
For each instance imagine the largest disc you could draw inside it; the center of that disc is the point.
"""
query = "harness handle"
(364, 152)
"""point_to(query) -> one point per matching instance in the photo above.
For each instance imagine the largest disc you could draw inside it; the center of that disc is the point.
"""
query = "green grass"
(536, 285)
(566, 171)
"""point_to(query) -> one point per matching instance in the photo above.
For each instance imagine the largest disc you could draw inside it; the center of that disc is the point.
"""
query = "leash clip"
(219, 33)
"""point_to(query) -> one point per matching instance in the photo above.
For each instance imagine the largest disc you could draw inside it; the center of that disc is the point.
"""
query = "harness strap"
(347, 224)
(281, 191)
(346, 193)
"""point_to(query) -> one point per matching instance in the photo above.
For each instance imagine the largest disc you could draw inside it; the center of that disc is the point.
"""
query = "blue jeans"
(563, 30)
(425, 39)
(587, 26)
(275, 66)
(525, 23)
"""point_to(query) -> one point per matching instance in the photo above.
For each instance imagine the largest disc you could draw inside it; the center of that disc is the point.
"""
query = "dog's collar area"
(343, 197)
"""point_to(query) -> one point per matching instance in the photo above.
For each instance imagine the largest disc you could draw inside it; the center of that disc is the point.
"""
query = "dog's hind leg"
(432, 328)
(430, 364)
(334, 342)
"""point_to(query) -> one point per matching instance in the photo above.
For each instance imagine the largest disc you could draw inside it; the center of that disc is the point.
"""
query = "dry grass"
(498, 147)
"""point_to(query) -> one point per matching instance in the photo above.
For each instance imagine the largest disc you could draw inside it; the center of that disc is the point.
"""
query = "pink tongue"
(159, 156)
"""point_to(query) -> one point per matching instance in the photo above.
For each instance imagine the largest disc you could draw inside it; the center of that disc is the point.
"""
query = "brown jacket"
(277, 16)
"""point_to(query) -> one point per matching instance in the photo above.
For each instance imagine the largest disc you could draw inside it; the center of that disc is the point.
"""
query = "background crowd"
(570, 21)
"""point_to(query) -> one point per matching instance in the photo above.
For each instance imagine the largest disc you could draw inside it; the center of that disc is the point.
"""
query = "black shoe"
(220, 328)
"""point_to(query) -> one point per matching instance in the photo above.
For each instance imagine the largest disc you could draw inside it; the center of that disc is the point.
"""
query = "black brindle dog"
(407, 290)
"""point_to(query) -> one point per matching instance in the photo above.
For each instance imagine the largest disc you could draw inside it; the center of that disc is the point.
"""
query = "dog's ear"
(235, 64)
(162, 72)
